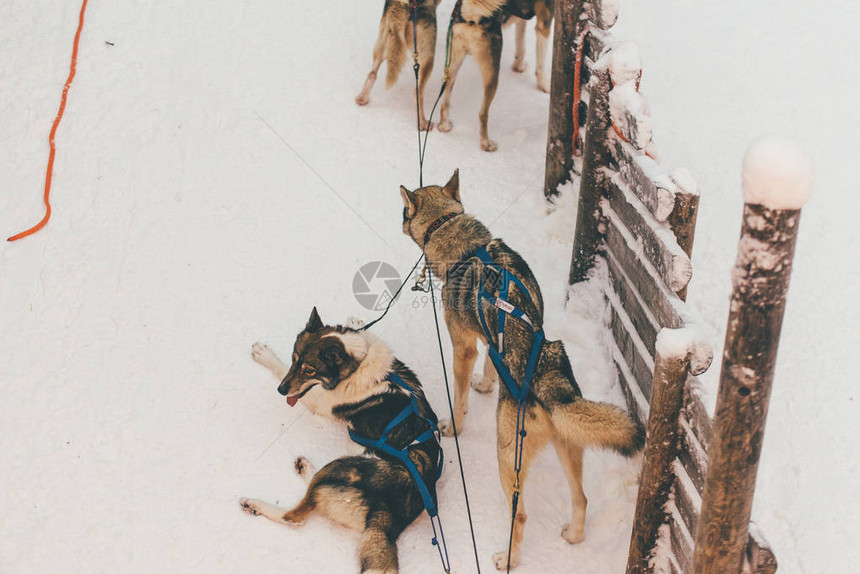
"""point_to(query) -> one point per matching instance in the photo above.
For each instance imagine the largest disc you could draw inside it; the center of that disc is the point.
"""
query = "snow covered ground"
(214, 181)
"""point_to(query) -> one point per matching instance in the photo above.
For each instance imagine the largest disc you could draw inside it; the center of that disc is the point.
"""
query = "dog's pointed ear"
(410, 202)
(452, 188)
(314, 323)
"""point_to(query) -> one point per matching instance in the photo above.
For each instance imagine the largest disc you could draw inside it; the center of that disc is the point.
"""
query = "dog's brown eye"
(308, 371)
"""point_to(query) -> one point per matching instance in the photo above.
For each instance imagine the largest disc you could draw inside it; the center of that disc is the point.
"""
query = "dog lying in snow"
(395, 42)
(350, 376)
(555, 411)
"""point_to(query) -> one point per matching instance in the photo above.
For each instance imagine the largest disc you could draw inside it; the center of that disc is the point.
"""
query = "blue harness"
(402, 455)
(497, 353)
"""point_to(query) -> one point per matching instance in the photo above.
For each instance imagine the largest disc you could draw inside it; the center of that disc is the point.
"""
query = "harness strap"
(402, 455)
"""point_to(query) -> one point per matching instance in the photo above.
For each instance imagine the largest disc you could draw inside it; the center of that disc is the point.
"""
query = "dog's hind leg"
(426, 58)
(293, 517)
(488, 380)
(465, 354)
(378, 56)
(488, 62)
(570, 457)
(534, 441)
(543, 24)
(520, 63)
(266, 357)
(377, 551)
(458, 51)
(305, 469)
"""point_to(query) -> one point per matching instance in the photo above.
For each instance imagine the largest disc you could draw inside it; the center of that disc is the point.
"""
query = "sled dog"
(395, 43)
(478, 32)
(555, 411)
(348, 375)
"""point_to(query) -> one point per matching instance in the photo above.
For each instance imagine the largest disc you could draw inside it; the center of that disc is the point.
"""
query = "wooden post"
(593, 183)
(760, 281)
(677, 354)
(682, 220)
(569, 24)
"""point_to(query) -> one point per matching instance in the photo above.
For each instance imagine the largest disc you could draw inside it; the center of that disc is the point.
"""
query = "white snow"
(630, 114)
(214, 180)
(625, 65)
(690, 342)
(777, 173)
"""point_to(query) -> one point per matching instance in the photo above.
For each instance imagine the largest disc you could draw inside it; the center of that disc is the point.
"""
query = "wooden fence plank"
(633, 350)
(646, 178)
(637, 309)
(657, 243)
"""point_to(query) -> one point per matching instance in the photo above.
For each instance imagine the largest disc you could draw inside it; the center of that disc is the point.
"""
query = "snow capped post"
(569, 27)
(777, 181)
(592, 187)
(679, 353)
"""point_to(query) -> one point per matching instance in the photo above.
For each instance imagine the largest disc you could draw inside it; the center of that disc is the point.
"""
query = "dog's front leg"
(542, 30)
(520, 63)
(459, 54)
(488, 59)
(465, 354)
(266, 357)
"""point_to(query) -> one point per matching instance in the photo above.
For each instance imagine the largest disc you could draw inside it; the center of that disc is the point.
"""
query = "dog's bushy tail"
(377, 552)
(396, 53)
(589, 423)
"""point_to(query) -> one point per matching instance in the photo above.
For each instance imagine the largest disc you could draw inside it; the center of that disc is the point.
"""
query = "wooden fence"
(639, 218)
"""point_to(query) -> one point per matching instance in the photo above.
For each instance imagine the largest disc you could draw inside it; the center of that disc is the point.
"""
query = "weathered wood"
(604, 19)
(758, 557)
(647, 179)
(592, 185)
(682, 541)
(698, 417)
(658, 244)
(559, 144)
(655, 482)
(595, 43)
(760, 281)
(687, 498)
(635, 354)
(643, 320)
(647, 284)
(637, 404)
(682, 220)
(693, 457)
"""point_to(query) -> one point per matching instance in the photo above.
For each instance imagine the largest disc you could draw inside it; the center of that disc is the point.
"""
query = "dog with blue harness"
(491, 295)
(346, 374)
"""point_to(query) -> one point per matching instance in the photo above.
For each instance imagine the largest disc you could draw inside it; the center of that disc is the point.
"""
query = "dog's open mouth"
(294, 398)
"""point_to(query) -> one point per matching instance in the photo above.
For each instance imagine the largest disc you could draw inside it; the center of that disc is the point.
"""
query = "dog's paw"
(362, 99)
(425, 126)
(489, 145)
(445, 126)
(500, 559)
(304, 467)
(572, 534)
(543, 84)
(520, 65)
(446, 427)
(354, 323)
(482, 383)
(250, 505)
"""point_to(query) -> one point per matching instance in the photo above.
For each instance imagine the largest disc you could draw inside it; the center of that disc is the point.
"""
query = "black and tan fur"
(394, 45)
(478, 32)
(340, 372)
(556, 411)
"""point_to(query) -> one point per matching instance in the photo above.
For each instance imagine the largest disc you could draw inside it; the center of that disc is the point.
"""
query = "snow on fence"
(640, 218)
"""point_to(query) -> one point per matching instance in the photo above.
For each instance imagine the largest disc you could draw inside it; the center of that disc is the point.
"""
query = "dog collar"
(437, 224)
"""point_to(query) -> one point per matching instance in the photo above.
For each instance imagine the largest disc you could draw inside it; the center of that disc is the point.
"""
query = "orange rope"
(577, 90)
(50, 170)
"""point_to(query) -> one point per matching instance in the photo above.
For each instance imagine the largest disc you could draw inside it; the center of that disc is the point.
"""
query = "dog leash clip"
(421, 281)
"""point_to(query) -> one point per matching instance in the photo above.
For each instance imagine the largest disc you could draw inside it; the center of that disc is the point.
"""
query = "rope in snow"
(50, 170)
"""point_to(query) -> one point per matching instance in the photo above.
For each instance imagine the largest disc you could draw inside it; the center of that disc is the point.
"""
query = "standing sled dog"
(395, 41)
(350, 376)
(478, 32)
(555, 411)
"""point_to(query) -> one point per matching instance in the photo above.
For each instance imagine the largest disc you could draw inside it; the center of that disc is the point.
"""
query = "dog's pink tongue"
(292, 401)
